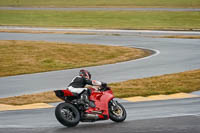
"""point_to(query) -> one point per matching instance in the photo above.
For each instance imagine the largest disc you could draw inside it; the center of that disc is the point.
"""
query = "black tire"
(67, 114)
(118, 114)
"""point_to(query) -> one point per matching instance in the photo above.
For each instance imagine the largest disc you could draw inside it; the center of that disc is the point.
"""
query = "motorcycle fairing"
(63, 93)
(101, 100)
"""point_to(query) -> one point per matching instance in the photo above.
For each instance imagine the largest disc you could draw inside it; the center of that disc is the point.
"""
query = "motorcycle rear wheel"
(117, 113)
(67, 114)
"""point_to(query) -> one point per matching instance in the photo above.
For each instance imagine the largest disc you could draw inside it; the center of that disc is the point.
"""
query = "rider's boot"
(85, 98)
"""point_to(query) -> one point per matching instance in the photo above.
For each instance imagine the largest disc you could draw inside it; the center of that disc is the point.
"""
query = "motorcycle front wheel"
(67, 114)
(117, 112)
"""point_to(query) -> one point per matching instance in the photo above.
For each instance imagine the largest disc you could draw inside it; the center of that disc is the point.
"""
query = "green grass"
(165, 84)
(20, 57)
(103, 3)
(102, 19)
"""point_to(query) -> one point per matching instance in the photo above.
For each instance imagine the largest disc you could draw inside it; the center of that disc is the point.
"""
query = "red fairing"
(67, 93)
(101, 100)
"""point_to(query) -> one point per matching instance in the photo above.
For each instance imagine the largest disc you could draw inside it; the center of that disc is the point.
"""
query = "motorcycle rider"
(79, 82)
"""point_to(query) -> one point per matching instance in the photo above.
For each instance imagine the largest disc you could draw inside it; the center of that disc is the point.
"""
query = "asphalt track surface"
(176, 116)
(170, 56)
(101, 9)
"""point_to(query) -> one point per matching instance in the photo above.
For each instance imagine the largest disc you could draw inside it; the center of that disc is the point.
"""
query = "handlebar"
(104, 88)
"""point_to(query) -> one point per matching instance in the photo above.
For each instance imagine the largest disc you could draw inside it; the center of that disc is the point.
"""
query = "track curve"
(176, 55)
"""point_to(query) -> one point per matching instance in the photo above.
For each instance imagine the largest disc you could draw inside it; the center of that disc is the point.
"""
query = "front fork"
(114, 104)
(116, 109)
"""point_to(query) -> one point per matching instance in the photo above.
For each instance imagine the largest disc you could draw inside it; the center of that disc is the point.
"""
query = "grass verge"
(103, 19)
(182, 36)
(21, 57)
(166, 84)
(103, 3)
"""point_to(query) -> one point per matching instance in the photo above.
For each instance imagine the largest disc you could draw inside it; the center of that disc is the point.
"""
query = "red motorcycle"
(73, 110)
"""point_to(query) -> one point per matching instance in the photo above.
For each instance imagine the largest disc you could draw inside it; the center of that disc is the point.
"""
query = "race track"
(170, 56)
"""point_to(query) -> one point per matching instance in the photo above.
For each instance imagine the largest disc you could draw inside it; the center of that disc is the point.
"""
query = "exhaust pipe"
(91, 116)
